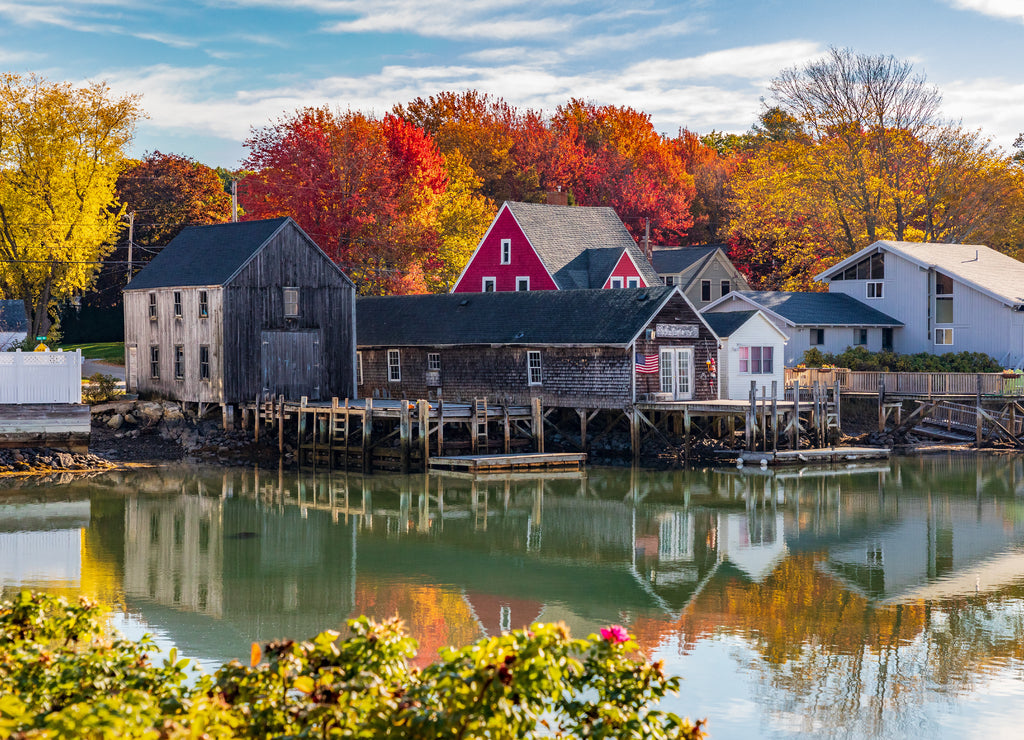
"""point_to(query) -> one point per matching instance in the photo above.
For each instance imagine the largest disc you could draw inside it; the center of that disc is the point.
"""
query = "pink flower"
(614, 633)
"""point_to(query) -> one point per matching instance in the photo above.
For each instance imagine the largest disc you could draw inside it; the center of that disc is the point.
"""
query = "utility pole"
(131, 237)
(234, 201)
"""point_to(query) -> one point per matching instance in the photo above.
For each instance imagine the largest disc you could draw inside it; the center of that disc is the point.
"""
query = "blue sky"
(209, 70)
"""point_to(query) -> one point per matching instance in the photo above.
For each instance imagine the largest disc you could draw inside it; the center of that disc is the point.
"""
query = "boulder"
(172, 412)
(150, 412)
(116, 421)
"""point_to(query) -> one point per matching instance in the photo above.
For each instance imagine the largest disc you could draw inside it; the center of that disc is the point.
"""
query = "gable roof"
(579, 245)
(673, 260)
(12, 315)
(512, 317)
(207, 255)
(811, 309)
(993, 273)
(725, 323)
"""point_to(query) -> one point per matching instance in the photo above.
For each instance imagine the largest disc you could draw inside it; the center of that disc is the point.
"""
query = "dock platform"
(533, 461)
(824, 455)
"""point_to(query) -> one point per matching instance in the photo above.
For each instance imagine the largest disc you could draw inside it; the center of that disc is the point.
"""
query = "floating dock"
(532, 461)
(824, 455)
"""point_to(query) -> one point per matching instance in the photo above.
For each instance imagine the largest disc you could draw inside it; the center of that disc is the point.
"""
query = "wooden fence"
(909, 384)
(40, 377)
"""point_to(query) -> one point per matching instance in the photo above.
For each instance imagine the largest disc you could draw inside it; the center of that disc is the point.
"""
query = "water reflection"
(849, 602)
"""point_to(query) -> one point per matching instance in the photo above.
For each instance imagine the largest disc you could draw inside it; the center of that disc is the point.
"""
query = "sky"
(209, 71)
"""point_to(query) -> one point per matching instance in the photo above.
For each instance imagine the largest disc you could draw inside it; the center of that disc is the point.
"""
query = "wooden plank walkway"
(509, 463)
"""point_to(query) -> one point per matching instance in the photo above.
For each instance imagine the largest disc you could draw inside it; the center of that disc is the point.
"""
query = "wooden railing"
(909, 384)
(961, 417)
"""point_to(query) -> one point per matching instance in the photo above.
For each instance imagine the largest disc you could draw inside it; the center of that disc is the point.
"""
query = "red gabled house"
(534, 246)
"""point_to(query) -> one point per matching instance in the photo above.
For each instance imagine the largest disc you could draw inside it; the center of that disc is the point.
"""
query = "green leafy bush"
(100, 388)
(859, 358)
(62, 675)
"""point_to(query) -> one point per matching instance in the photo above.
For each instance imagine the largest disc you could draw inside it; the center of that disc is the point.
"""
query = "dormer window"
(616, 282)
(291, 303)
(633, 282)
(506, 251)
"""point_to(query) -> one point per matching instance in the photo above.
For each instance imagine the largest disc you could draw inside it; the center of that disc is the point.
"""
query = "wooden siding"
(486, 260)
(625, 269)
(254, 303)
(190, 331)
(757, 332)
(678, 311)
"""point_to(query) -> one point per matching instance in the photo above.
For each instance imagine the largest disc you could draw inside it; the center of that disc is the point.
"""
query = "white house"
(829, 322)
(947, 297)
(750, 349)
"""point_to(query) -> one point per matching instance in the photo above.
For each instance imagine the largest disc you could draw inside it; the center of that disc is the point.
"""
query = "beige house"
(704, 274)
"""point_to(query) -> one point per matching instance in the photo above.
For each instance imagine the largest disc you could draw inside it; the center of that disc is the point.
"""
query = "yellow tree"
(462, 220)
(61, 150)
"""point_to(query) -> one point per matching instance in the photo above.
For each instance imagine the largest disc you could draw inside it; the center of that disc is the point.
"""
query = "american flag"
(646, 363)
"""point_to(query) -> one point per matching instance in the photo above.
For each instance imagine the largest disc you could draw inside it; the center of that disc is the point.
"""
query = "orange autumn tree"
(367, 190)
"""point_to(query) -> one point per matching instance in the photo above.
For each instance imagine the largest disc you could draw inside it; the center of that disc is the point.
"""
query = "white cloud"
(995, 105)
(1012, 9)
(747, 62)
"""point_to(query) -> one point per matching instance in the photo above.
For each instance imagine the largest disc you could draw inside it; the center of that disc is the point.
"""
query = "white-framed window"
(359, 368)
(506, 251)
(860, 337)
(489, 285)
(633, 282)
(179, 362)
(943, 299)
(669, 279)
(291, 303)
(944, 336)
(757, 360)
(154, 362)
(817, 337)
(204, 362)
(204, 305)
(177, 304)
(705, 290)
(434, 361)
(874, 289)
(522, 283)
(152, 306)
(394, 366)
(533, 369)
(616, 282)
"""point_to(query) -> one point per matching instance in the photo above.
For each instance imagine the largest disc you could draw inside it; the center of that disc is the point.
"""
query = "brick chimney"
(558, 198)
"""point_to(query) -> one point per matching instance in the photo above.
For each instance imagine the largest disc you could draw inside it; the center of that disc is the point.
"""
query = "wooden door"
(291, 365)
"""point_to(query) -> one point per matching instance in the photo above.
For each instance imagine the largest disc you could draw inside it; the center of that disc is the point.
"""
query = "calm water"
(885, 601)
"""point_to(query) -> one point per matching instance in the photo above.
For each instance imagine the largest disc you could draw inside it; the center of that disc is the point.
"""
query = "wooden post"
(775, 418)
(366, 448)
(686, 435)
(634, 434)
(258, 412)
(404, 432)
(280, 425)
(538, 425)
(423, 412)
(245, 418)
(751, 416)
(506, 429)
(881, 405)
(839, 417)
(440, 427)
(794, 427)
(977, 415)
(345, 431)
(582, 413)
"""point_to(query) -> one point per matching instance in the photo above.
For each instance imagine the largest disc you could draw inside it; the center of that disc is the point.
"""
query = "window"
(726, 287)
(669, 279)
(154, 362)
(488, 285)
(177, 304)
(633, 282)
(179, 362)
(943, 336)
(705, 290)
(291, 303)
(359, 368)
(434, 361)
(533, 367)
(506, 251)
(204, 305)
(943, 299)
(616, 282)
(871, 267)
(887, 339)
(875, 289)
(394, 366)
(817, 337)
(756, 360)
(204, 362)
(152, 306)
(860, 336)
(522, 283)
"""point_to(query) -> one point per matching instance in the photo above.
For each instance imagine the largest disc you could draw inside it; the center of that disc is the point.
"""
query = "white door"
(676, 369)
(133, 368)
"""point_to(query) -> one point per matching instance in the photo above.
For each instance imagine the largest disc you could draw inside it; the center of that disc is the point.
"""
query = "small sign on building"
(677, 331)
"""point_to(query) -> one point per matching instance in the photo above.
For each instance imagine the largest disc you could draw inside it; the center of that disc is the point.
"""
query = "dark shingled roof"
(579, 244)
(725, 323)
(12, 315)
(206, 255)
(523, 317)
(672, 260)
(820, 309)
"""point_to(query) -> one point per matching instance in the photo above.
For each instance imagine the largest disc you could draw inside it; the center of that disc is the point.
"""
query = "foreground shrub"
(62, 675)
(859, 358)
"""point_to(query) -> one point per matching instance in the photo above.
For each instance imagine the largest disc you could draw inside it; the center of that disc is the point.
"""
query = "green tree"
(61, 149)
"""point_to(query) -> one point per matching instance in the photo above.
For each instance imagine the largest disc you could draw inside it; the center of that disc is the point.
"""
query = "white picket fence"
(41, 377)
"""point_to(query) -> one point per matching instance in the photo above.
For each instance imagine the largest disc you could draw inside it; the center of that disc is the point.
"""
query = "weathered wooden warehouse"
(595, 349)
(230, 311)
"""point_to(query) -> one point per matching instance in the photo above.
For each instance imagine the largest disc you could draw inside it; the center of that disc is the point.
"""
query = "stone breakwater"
(47, 460)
